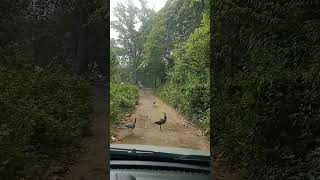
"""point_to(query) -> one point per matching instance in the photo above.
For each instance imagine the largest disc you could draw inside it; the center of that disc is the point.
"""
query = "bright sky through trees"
(154, 4)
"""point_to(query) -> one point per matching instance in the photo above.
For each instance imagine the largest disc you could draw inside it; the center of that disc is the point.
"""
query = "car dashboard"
(143, 170)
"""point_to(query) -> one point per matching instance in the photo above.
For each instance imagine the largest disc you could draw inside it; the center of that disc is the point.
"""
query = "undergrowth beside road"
(123, 98)
(187, 84)
(42, 118)
(266, 88)
(191, 102)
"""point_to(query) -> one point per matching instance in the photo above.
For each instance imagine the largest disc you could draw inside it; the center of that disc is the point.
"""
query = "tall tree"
(128, 17)
(175, 22)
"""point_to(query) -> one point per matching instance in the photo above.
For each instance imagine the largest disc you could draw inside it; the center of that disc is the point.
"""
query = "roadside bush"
(123, 98)
(267, 88)
(42, 115)
(190, 100)
(187, 87)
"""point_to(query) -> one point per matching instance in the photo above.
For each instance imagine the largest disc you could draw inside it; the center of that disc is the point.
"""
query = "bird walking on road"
(153, 101)
(162, 120)
(131, 126)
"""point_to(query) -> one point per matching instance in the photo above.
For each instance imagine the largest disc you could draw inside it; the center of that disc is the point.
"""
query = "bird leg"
(160, 127)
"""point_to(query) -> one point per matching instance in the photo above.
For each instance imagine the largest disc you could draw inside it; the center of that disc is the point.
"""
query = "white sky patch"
(156, 5)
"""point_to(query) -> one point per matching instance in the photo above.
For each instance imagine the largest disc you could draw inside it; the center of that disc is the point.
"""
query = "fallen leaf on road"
(57, 169)
(205, 132)
(113, 139)
(187, 124)
(57, 178)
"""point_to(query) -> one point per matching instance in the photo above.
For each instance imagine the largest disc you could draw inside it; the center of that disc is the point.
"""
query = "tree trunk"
(103, 51)
(82, 54)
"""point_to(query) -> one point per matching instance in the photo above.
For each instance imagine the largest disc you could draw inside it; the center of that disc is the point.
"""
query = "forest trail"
(93, 161)
(176, 132)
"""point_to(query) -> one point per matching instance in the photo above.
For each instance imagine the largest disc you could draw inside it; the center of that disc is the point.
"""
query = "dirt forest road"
(176, 132)
(93, 161)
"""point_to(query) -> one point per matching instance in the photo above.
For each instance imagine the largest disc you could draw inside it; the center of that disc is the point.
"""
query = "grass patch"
(124, 97)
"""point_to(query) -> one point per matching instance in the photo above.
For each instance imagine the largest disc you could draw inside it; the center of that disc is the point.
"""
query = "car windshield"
(159, 99)
(120, 153)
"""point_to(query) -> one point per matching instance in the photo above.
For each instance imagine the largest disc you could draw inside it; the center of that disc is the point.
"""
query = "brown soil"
(93, 163)
(223, 173)
(176, 132)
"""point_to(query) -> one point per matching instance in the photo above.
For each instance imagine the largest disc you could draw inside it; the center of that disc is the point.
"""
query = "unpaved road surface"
(93, 163)
(223, 173)
(176, 132)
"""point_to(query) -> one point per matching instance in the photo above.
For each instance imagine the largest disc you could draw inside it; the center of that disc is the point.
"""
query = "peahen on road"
(162, 120)
(153, 101)
(131, 126)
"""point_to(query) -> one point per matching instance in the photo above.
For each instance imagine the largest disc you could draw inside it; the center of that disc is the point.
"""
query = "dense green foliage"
(172, 25)
(44, 105)
(123, 98)
(130, 40)
(187, 87)
(72, 33)
(266, 87)
(123, 95)
(42, 116)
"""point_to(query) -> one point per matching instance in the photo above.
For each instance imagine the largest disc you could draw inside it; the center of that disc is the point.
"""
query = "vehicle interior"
(131, 164)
